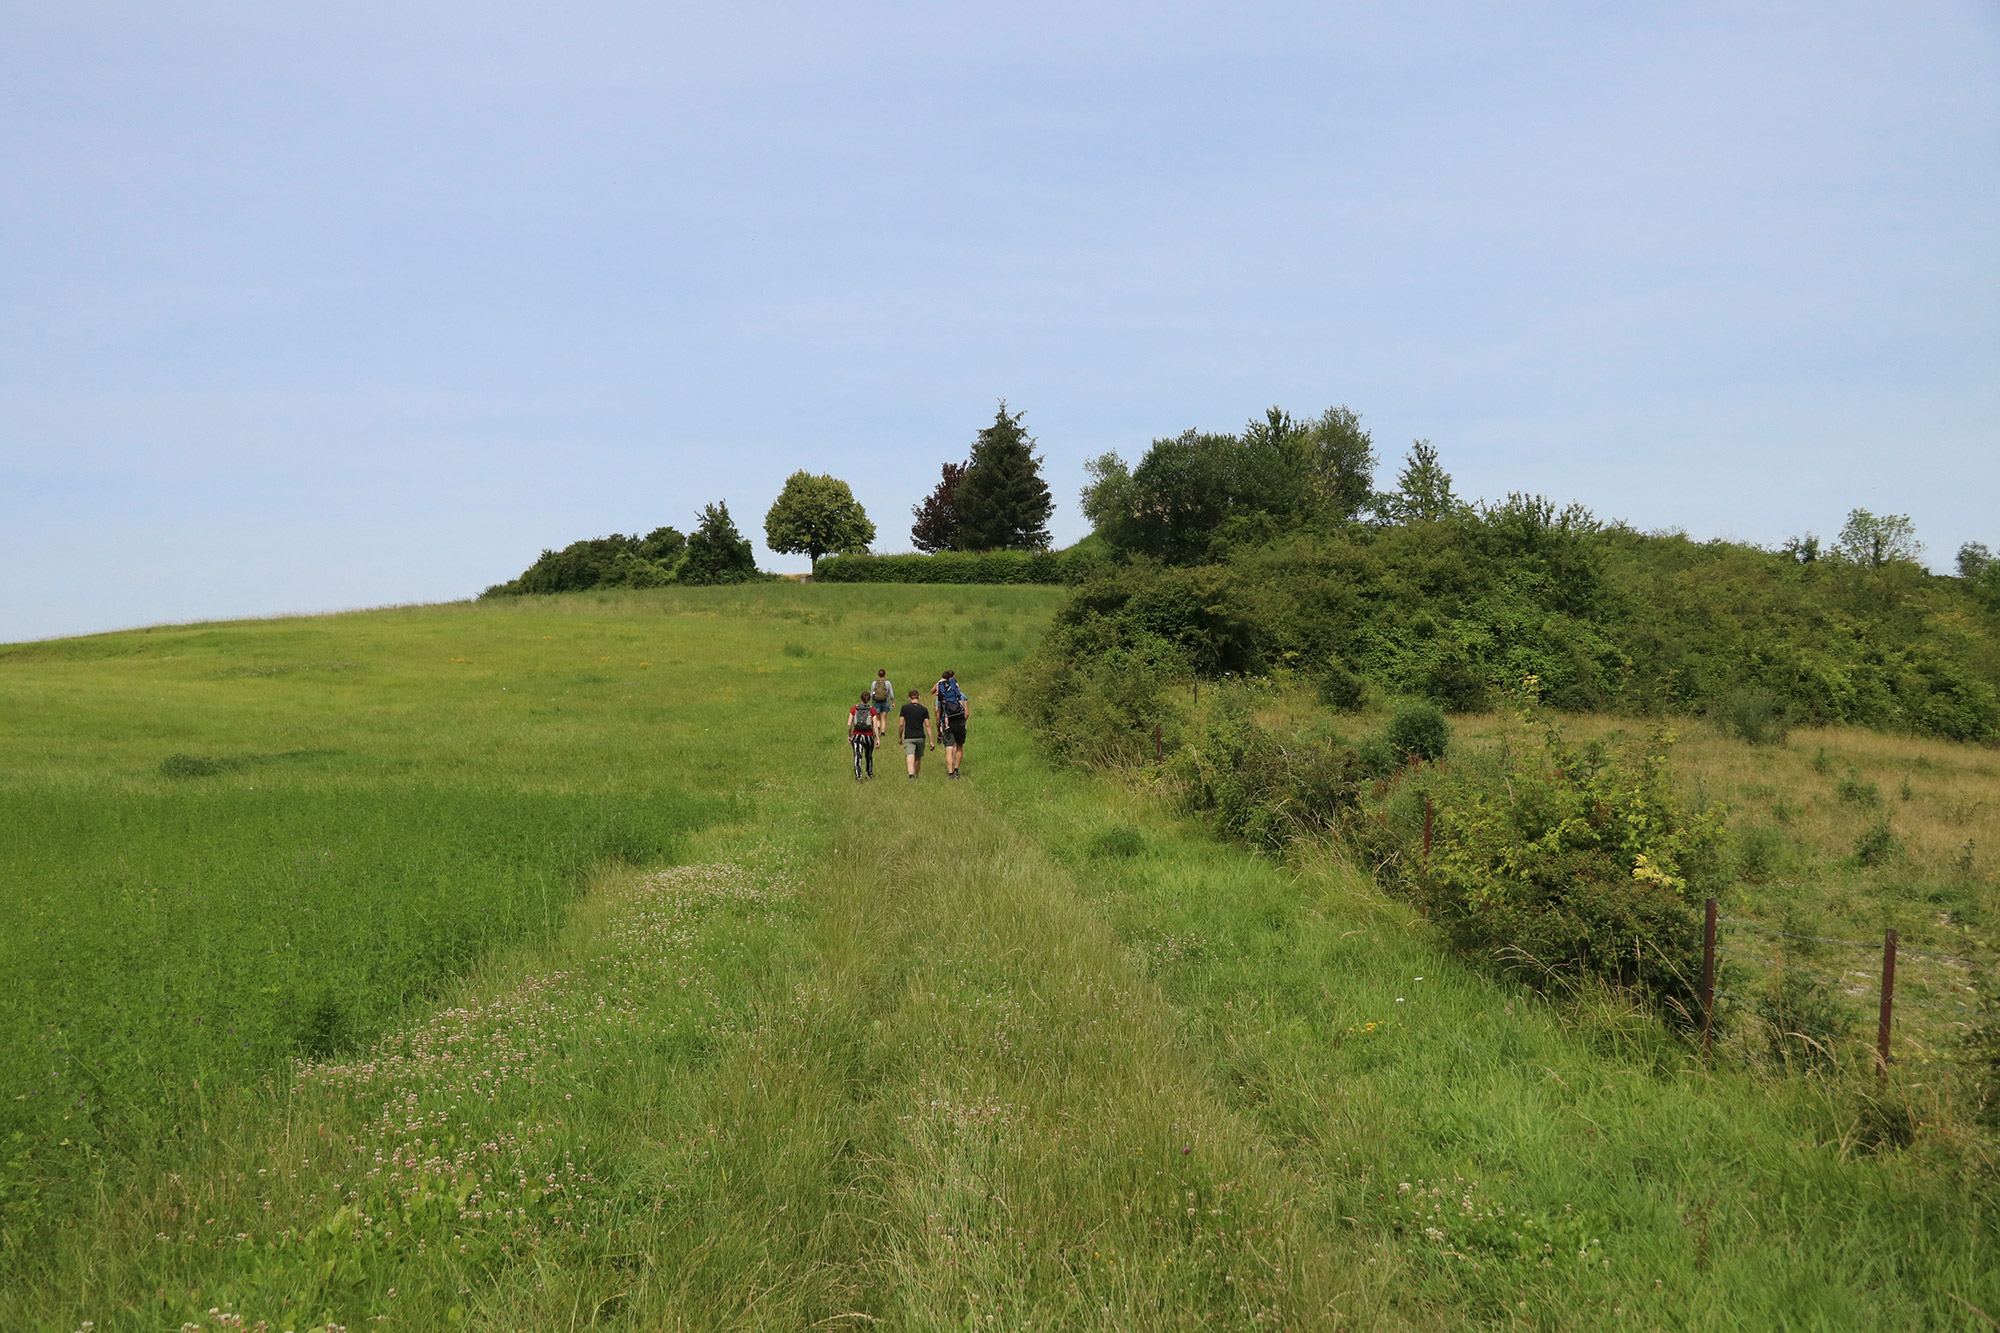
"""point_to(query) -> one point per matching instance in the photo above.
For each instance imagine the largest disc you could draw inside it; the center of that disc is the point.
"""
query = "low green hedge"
(1071, 566)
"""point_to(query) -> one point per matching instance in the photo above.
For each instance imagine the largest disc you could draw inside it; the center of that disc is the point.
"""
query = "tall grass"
(234, 847)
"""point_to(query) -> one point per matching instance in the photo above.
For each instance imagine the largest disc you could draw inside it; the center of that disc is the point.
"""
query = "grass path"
(949, 1056)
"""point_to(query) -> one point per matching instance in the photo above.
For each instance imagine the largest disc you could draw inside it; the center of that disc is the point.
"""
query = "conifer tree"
(936, 528)
(1423, 489)
(1003, 503)
(717, 552)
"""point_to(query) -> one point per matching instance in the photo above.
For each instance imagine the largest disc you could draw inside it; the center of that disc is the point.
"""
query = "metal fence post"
(1159, 755)
(1888, 1002)
(1708, 982)
(1427, 828)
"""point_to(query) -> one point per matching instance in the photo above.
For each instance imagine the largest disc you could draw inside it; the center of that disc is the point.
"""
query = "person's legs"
(868, 753)
(913, 752)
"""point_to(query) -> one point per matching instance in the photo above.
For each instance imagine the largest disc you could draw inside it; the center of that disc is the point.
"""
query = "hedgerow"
(1070, 566)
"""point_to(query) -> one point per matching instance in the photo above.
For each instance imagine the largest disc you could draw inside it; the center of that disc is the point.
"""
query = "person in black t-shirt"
(913, 728)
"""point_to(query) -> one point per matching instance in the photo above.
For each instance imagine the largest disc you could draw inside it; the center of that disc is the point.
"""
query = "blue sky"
(343, 306)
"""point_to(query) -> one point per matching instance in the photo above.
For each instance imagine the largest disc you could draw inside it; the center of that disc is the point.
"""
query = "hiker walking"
(862, 720)
(953, 710)
(913, 728)
(881, 695)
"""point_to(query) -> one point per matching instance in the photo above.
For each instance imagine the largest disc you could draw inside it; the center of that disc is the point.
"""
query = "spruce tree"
(1003, 503)
(717, 552)
(1423, 491)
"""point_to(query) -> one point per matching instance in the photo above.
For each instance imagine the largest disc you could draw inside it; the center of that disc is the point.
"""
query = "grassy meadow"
(536, 964)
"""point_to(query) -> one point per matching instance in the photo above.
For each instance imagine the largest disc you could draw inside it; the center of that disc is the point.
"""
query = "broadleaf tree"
(815, 514)
(1330, 458)
(1003, 502)
(1875, 540)
(936, 526)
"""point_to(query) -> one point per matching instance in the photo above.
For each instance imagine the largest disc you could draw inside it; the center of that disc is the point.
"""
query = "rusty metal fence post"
(1888, 1003)
(1427, 828)
(1708, 982)
(1159, 755)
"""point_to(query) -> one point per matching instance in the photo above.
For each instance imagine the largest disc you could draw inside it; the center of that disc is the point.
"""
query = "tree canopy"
(1196, 494)
(717, 552)
(616, 561)
(1423, 491)
(1002, 502)
(815, 514)
(936, 526)
(1876, 539)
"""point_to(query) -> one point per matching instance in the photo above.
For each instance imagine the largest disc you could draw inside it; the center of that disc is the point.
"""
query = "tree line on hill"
(714, 553)
(996, 500)
(1271, 550)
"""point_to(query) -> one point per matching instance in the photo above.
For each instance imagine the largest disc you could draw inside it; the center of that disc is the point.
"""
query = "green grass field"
(538, 965)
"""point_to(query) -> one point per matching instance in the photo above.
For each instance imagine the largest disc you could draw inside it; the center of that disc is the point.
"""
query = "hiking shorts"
(953, 731)
(880, 706)
(915, 748)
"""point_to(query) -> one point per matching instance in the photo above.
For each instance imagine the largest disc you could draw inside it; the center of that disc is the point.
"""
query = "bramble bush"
(1246, 783)
(1558, 862)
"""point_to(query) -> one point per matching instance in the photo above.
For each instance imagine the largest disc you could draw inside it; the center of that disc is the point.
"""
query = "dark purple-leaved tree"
(936, 528)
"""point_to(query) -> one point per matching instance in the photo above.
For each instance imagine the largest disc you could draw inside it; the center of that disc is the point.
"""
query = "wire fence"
(1870, 945)
(1940, 975)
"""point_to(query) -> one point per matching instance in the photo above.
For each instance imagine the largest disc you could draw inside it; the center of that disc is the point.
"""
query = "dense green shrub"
(1341, 689)
(1759, 853)
(1248, 784)
(1377, 757)
(1099, 708)
(1557, 862)
(1755, 716)
(1877, 844)
(616, 561)
(1804, 1021)
(1419, 731)
(1118, 841)
(1458, 608)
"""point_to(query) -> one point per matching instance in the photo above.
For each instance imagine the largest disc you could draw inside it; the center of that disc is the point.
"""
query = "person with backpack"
(913, 728)
(882, 694)
(953, 710)
(862, 720)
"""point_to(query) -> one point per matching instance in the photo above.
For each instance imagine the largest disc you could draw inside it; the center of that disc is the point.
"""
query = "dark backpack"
(858, 721)
(950, 698)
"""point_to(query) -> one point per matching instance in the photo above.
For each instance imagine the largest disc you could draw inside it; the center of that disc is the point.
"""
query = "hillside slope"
(1019, 1051)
